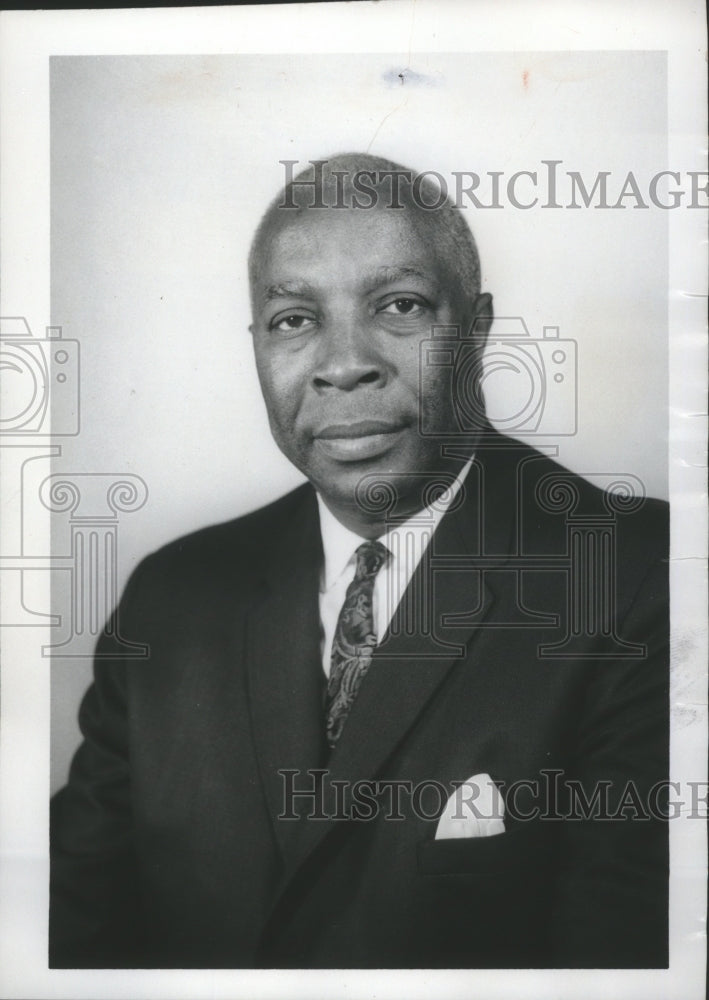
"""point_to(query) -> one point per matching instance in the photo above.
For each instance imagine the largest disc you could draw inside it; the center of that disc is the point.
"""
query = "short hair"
(332, 183)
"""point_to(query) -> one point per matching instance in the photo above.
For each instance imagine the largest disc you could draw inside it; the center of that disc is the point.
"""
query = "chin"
(375, 491)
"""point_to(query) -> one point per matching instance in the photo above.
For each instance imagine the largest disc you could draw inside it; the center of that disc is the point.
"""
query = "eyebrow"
(383, 275)
(287, 289)
(388, 275)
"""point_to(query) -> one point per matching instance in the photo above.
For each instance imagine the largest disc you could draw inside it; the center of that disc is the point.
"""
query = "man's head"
(348, 276)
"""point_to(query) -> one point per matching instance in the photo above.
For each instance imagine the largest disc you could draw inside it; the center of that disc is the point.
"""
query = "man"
(413, 714)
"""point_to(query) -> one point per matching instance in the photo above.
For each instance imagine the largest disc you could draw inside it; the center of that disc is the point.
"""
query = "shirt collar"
(339, 543)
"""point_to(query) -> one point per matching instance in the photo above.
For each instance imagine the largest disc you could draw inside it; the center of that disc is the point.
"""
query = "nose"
(348, 359)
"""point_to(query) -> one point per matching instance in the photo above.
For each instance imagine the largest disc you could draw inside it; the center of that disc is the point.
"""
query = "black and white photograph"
(354, 500)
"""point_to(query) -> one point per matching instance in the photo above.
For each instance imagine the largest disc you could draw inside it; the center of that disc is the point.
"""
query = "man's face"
(341, 305)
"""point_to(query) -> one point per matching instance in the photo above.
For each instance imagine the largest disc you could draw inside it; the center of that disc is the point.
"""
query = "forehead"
(347, 245)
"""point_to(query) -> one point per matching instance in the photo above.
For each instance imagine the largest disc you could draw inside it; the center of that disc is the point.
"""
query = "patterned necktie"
(354, 640)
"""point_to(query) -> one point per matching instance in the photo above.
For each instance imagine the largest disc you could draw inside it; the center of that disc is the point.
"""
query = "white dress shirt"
(406, 542)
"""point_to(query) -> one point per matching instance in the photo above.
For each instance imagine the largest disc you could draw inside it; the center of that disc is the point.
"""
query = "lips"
(355, 442)
(362, 428)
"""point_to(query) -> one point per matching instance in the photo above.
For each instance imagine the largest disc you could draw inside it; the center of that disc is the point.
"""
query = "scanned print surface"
(354, 539)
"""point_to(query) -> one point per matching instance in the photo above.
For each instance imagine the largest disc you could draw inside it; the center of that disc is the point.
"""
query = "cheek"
(280, 386)
(436, 394)
(403, 361)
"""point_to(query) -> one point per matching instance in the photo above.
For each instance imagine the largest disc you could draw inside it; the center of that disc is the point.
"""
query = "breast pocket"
(504, 854)
(485, 901)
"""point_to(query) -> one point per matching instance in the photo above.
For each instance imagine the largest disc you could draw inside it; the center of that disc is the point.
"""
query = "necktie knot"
(371, 556)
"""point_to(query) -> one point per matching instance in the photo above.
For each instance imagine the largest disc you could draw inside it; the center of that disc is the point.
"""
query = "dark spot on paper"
(399, 76)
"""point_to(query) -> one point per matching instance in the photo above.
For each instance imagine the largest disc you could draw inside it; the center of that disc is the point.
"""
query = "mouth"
(358, 441)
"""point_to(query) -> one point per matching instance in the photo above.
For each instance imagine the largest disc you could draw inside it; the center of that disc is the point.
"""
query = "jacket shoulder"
(242, 540)
(556, 494)
(611, 496)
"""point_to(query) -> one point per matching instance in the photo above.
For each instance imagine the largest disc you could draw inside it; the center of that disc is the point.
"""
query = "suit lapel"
(285, 672)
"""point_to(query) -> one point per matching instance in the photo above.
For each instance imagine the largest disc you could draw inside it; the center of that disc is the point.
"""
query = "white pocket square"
(475, 809)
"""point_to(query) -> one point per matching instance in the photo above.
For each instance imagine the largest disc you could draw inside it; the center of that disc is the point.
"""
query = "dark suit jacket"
(544, 661)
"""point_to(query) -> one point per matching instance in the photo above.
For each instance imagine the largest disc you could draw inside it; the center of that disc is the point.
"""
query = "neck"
(388, 502)
(353, 519)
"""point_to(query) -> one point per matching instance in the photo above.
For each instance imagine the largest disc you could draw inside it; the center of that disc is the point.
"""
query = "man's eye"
(403, 307)
(291, 323)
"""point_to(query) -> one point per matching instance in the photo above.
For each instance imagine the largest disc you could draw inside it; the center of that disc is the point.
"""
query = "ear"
(481, 318)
